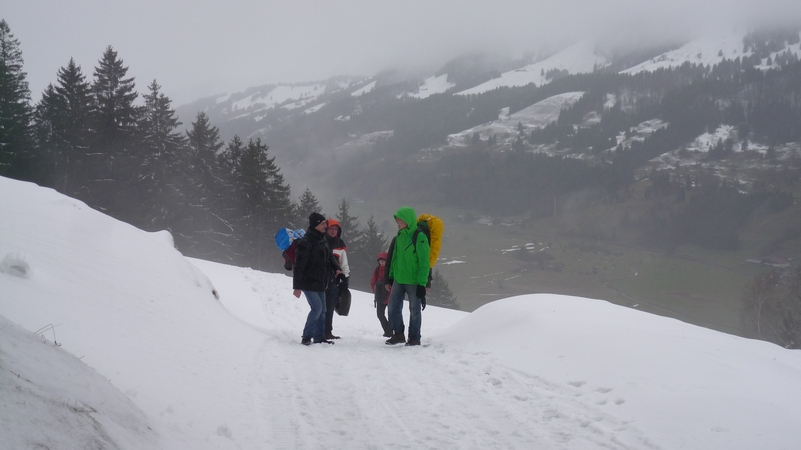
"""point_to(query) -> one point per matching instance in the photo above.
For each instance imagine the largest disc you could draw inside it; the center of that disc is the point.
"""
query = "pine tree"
(363, 262)
(373, 240)
(308, 204)
(350, 227)
(157, 127)
(115, 113)
(267, 201)
(280, 195)
(205, 169)
(230, 159)
(440, 293)
(204, 138)
(63, 133)
(115, 120)
(45, 119)
(209, 219)
(73, 130)
(15, 110)
(231, 224)
(163, 190)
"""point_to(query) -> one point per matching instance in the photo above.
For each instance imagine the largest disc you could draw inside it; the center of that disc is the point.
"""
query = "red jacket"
(378, 279)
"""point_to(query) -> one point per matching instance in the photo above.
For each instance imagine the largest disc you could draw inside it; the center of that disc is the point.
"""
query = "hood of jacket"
(332, 222)
(407, 215)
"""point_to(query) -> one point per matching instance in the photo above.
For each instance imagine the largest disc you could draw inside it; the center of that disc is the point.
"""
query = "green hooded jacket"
(409, 263)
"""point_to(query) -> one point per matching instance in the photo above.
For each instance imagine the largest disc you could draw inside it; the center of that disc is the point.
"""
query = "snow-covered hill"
(159, 362)
(578, 58)
(50, 399)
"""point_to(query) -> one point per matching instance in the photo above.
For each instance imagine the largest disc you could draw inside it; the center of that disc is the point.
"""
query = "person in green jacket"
(408, 268)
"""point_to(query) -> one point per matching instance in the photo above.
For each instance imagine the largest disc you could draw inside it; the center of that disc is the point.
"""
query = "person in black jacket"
(314, 266)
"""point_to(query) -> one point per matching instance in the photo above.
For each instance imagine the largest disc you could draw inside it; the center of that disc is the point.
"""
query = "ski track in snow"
(350, 395)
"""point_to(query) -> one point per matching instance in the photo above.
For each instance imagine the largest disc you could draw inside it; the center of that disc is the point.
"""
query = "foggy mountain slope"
(256, 112)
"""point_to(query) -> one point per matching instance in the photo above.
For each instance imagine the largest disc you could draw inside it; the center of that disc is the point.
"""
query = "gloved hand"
(421, 294)
(342, 281)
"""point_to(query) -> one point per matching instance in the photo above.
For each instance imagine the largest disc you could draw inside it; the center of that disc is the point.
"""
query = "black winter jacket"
(315, 264)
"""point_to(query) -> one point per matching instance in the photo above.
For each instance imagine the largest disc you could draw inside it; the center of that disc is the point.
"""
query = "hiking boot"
(323, 341)
(330, 336)
(397, 338)
(387, 334)
(305, 341)
(413, 342)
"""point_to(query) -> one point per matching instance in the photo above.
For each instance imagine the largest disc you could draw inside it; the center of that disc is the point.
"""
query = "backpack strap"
(422, 227)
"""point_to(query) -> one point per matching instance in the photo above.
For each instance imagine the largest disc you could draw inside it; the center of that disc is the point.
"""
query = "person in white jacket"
(333, 235)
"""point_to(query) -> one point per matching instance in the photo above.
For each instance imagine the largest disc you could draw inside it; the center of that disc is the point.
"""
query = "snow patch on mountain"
(313, 109)
(537, 115)
(707, 50)
(706, 141)
(279, 95)
(361, 143)
(741, 166)
(368, 88)
(578, 58)
(640, 132)
(794, 49)
(432, 85)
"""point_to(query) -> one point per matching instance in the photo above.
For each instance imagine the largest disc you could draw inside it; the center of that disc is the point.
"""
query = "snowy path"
(435, 397)
(361, 393)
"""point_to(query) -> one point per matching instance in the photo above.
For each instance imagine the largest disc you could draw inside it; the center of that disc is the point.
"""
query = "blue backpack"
(286, 240)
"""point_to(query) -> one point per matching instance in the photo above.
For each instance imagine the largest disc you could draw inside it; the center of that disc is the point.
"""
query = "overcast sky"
(197, 48)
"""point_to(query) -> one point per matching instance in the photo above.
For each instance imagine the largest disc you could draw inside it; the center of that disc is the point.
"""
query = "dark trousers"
(331, 295)
(380, 311)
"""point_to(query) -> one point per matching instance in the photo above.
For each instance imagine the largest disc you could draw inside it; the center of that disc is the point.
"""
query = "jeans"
(396, 310)
(331, 295)
(315, 321)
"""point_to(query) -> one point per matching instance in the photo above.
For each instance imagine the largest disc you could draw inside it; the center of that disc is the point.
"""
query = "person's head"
(318, 222)
(405, 217)
(382, 258)
(333, 230)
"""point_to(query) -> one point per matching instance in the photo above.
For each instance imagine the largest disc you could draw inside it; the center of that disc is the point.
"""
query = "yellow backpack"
(433, 227)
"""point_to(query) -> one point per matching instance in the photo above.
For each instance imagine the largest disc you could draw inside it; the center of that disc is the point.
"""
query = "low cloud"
(197, 48)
